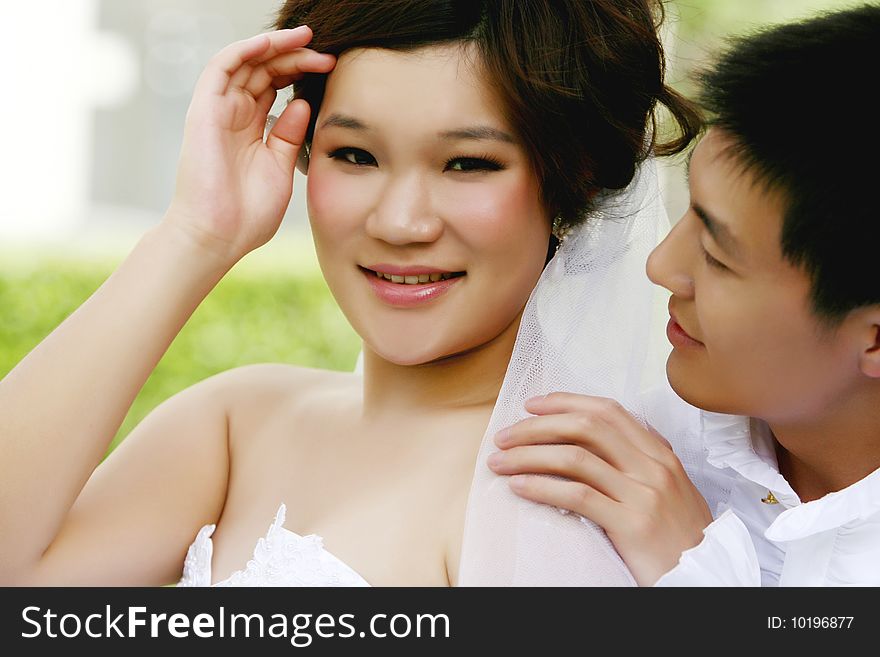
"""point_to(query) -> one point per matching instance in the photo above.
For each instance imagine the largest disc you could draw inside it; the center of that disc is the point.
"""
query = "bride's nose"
(404, 212)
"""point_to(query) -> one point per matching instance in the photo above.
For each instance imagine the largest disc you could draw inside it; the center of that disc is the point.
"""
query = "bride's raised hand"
(232, 188)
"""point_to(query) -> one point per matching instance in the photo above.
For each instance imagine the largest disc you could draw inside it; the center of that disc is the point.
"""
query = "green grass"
(262, 313)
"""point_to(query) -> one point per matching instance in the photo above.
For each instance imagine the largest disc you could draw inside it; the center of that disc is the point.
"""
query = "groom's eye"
(356, 156)
(713, 262)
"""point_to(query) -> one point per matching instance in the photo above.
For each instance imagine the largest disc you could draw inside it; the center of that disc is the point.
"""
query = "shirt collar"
(857, 502)
(747, 447)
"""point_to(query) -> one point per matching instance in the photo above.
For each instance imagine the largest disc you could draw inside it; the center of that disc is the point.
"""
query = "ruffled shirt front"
(766, 536)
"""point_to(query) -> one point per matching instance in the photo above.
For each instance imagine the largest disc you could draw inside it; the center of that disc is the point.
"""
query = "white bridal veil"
(594, 324)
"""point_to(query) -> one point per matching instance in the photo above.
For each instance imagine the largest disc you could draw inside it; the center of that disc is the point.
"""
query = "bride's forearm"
(62, 404)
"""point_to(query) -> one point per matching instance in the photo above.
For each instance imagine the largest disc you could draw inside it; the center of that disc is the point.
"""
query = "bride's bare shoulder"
(282, 378)
(258, 392)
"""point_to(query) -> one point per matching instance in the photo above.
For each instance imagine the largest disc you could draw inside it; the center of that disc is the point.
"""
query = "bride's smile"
(410, 286)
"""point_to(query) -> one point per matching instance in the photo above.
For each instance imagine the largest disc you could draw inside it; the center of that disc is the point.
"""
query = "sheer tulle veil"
(594, 324)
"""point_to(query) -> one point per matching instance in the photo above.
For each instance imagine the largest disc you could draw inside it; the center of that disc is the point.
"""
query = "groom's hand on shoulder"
(608, 467)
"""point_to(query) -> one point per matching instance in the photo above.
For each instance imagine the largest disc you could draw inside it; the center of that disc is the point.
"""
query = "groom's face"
(745, 338)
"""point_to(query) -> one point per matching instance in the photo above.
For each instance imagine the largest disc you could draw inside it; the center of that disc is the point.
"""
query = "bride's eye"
(355, 156)
(475, 164)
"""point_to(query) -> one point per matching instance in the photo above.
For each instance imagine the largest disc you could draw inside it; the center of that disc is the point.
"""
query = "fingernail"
(518, 482)
(502, 437)
(294, 30)
(495, 459)
(535, 399)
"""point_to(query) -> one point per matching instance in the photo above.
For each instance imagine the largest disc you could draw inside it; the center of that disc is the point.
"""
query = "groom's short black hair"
(799, 102)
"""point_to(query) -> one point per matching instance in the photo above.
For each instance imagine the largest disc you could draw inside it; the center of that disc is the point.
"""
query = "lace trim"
(197, 565)
(281, 558)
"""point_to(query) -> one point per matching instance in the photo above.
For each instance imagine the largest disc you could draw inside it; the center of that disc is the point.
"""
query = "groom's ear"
(302, 160)
(869, 358)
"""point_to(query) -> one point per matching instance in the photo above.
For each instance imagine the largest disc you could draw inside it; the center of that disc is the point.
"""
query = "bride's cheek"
(325, 205)
(499, 215)
(517, 226)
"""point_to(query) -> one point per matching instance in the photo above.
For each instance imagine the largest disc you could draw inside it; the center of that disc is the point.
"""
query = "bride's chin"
(409, 355)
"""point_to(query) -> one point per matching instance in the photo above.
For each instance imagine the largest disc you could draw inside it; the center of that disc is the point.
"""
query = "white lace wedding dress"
(281, 558)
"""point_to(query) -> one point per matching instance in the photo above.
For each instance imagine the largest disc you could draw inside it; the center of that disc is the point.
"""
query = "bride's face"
(415, 174)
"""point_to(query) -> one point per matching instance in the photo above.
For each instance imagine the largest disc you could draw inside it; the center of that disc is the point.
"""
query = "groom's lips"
(677, 335)
(403, 295)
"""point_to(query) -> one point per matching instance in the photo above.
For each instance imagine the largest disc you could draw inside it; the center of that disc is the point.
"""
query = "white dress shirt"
(767, 536)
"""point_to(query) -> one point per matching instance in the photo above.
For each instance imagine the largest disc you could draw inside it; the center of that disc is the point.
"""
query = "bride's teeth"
(414, 279)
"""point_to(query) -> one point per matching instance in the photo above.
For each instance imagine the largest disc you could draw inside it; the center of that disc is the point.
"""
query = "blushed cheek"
(507, 227)
(334, 201)
(503, 217)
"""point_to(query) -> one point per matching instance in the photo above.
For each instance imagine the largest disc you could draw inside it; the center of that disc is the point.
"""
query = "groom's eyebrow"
(719, 231)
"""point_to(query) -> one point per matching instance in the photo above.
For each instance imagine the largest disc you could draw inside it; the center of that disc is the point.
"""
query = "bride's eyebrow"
(479, 132)
(344, 121)
(475, 132)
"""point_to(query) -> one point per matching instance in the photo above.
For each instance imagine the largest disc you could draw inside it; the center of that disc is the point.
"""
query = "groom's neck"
(823, 453)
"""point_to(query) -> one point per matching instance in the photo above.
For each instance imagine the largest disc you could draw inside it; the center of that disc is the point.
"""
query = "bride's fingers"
(224, 65)
(284, 81)
(266, 100)
(288, 66)
(289, 131)
(240, 77)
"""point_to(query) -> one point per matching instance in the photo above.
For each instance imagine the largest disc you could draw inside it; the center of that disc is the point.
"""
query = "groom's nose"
(670, 263)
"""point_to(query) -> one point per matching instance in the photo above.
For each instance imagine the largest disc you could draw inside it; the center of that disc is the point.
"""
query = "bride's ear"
(302, 160)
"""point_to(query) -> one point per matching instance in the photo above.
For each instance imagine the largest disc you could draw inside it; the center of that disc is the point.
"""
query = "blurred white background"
(95, 93)
(93, 107)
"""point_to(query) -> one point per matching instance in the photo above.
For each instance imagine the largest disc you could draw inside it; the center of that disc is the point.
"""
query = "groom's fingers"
(602, 411)
(573, 496)
(568, 461)
(600, 426)
(578, 429)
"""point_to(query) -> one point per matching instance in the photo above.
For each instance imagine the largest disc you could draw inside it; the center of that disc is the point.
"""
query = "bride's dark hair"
(580, 79)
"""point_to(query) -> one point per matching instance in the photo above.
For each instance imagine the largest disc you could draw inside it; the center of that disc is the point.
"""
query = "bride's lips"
(408, 295)
(678, 336)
